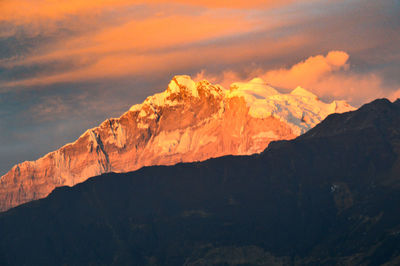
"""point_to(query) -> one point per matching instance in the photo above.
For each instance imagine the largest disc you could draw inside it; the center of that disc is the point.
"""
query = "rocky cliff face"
(187, 122)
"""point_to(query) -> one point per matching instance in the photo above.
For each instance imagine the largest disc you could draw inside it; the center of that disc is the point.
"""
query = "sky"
(67, 65)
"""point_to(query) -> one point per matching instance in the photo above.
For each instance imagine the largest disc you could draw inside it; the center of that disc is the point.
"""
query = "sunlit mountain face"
(187, 122)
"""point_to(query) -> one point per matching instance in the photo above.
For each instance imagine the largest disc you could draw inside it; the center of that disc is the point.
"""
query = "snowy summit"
(189, 121)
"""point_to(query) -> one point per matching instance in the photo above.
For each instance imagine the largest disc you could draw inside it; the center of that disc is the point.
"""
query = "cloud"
(139, 36)
(49, 108)
(395, 95)
(156, 43)
(154, 63)
(25, 11)
(79, 41)
(308, 72)
(330, 77)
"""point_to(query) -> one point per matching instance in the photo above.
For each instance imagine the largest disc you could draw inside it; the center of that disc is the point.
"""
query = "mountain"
(187, 122)
(328, 197)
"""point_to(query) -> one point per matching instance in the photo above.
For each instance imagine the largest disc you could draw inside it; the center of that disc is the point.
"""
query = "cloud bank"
(67, 65)
(49, 43)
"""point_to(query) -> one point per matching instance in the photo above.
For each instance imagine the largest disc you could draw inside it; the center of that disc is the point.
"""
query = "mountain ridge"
(189, 121)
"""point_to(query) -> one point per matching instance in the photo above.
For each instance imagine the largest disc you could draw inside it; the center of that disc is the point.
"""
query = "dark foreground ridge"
(329, 197)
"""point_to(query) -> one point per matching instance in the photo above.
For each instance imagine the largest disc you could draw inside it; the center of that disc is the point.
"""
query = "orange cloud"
(329, 77)
(27, 10)
(308, 72)
(155, 33)
(174, 40)
(303, 74)
(132, 35)
(395, 95)
(159, 63)
(154, 43)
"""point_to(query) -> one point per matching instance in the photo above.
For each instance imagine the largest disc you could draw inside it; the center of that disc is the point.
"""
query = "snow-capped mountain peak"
(179, 89)
(183, 84)
(300, 91)
(188, 121)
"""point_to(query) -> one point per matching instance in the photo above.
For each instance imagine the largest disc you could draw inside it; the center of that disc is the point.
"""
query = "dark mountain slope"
(328, 197)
